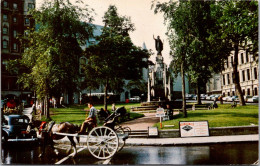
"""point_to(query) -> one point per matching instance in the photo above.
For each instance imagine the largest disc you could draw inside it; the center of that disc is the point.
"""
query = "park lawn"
(224, 116)
(76, 114)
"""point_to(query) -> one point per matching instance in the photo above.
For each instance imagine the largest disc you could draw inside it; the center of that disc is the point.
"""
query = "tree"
(115, 58)
(51, 53)
(236, 28)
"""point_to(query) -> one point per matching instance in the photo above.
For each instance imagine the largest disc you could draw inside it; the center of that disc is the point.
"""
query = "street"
(220, 154)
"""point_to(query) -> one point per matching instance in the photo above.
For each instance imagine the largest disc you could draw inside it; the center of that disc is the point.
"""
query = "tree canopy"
(115, 58)
(51, 52)
(201, 34)
(236, 29)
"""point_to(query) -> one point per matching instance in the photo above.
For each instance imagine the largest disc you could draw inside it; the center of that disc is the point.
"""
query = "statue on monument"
(158, 45)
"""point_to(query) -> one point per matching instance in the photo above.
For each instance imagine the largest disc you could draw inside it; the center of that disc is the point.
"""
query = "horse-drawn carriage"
(102, 142)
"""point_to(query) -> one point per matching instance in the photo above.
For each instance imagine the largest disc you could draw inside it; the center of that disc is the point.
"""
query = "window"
(15, 33)
(26, 21)
(248, 74)
(246, 57)
(256, 91)
(5, 44)
(5, 18)
(223, 79)
(15, 6)
(228, 93)
(14, 19)
(243, 75)
(228, 79)
(232, 78)
(242, 58)
(5, 30)
(231, 61)
(243, 91)
(5, 4)
(30, 6)
(14, 46)
(248, 91)
(233, 93)
(255, 73)
(227, 63)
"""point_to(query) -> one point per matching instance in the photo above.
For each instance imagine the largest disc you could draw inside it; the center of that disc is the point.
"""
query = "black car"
(14, 128)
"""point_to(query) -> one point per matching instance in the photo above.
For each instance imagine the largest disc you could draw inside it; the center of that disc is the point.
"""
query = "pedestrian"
(169, 111)
(113, 107)
(103, 113)
(215, 105)
(91, 121)
(54, 102)
(61, 100)
(221, 99)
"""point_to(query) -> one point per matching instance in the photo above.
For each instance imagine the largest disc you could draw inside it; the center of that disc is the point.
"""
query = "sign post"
(160, 113)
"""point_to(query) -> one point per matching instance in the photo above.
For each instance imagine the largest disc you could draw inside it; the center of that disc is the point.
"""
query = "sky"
(146, 22)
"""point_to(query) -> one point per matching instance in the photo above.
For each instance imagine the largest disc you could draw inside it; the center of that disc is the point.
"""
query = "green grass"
(224, 116)
(76, 114)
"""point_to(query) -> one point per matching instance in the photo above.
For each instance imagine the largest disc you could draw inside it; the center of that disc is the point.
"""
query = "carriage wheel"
(102, 142)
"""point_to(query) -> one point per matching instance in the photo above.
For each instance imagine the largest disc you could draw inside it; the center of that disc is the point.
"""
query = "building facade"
(248, 75)
(14, 21)
(222, 83)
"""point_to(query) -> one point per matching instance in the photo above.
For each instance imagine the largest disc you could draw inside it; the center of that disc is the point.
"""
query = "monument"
(159, 80)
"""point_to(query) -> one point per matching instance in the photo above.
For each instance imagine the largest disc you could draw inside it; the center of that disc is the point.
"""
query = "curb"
(177, 141)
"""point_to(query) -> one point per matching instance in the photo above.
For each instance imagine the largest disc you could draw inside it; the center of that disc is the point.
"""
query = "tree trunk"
(198, 92)
(183, 91)
(105, 96)
(236, 77)
(47, 107)
(70, 96)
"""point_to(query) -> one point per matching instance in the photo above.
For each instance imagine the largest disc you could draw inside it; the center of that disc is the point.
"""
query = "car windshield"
(17, 121)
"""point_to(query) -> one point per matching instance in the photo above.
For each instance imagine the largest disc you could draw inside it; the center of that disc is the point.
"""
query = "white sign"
(194, 128)
(160, 112)
(152, 131)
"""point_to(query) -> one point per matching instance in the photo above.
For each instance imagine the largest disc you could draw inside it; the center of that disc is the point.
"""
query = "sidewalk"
(192, 140)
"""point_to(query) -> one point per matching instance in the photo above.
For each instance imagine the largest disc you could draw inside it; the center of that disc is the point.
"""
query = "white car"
(232, 98)
(135, 99)
(203, 96)
(225, 98)
(215, 97)
(247, 97)
(254, 99)
(210, 97)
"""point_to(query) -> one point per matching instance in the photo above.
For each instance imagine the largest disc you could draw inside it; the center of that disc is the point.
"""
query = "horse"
(47, 131)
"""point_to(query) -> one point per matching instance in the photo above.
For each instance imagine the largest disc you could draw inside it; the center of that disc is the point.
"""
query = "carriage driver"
(91, 120)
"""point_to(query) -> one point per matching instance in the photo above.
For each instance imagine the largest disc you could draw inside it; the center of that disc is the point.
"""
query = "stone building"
(222, 83)
(14, 21)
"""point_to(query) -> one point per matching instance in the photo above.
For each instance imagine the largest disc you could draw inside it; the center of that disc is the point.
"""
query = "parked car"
(209, 97)
(194, 97)
(135, 99)
(254, 99)
(225, 98)
(203, 96)
(232, 98)
(215, 97)
(14, 129)
(246, 97)
(189, 96)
